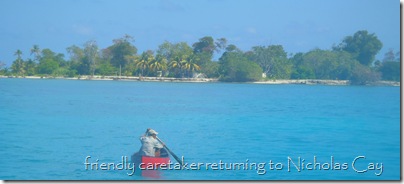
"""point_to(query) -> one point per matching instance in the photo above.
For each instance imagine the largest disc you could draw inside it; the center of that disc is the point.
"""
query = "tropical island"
(352, 62)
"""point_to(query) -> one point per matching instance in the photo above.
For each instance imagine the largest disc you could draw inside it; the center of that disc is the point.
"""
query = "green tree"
(172, 51)
(159, 64)
(362, 46)
(49, 62)
(57, 57)
(205, 45)
(323, 64)
(122, 47)
(273, 60)
(130, 68)
(204, 49)
(166, 50)
(390, 70)
(235, 67)
(91, 56)
(2, 68)
(30, 67)
(143, 64)
(177, 65)
(211, 69)
(37, 52)
(76, 61)
(390, 56)
(390, 67)
(47, 66)
(145, 60)
(175, 55)
(76, 53)
(18, 65)
(182, 50)
(2, 65)
(18, 53)
(363, 75)
(105, 68)
(300, 68)
(190, 66)
(232, 48)
(221, 44)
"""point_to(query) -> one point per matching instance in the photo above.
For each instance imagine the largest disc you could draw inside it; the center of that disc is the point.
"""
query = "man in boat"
(150, 145)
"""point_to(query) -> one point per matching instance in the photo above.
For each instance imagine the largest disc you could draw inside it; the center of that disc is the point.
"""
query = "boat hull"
(148, 166)
(153, 162)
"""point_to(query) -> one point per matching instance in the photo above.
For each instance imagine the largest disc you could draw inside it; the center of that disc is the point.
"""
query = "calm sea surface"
(273, 132)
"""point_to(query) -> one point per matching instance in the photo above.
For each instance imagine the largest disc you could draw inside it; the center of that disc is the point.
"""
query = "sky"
(297, 25)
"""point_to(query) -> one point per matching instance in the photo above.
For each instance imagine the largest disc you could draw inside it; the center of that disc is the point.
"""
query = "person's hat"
(152, 132)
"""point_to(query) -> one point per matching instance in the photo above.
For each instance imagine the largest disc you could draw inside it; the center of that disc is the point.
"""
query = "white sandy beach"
(204, 80)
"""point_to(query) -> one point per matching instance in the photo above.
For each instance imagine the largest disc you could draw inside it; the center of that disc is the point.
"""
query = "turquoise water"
(49, 127)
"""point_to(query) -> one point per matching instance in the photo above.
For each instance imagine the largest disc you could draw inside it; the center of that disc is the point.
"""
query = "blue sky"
(298, 25)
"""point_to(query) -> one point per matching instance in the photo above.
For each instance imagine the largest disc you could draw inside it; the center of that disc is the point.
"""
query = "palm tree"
(18, 65)
(29, 67)
(190, 66)
(158, 64)
(2, 68)
(18, 53)
(35, 50)
(178, 64)
(143, 64)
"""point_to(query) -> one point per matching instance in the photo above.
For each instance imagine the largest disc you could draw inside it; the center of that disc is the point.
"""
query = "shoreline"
(325, 82)
(305, 81)
(122, 78)
(210, 80)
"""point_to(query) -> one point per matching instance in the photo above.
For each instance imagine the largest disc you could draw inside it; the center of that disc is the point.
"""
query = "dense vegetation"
(353, 59)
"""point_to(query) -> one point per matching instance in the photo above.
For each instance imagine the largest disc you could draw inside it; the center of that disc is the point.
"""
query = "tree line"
(353, 59)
